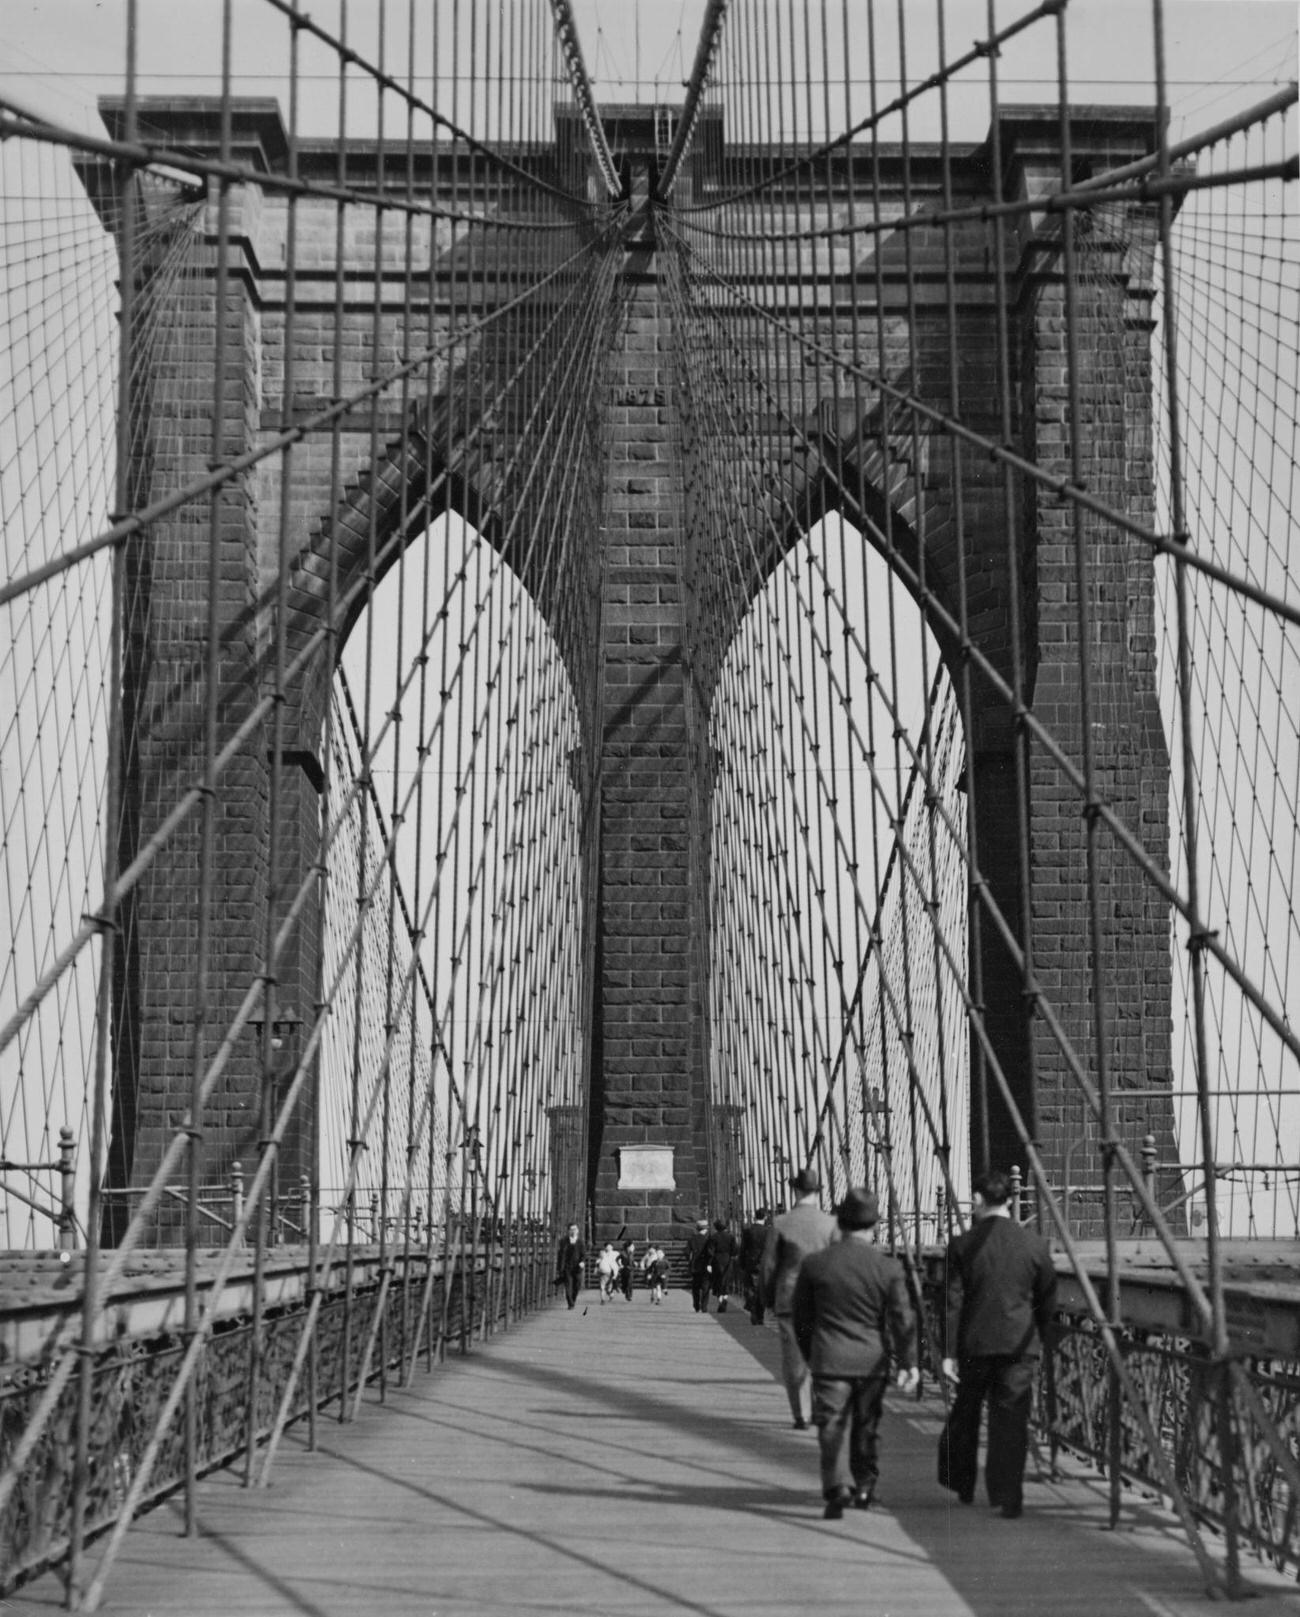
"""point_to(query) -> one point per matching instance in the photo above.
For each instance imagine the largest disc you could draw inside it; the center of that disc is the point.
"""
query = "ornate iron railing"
(1201, 1409)
(377, 1331)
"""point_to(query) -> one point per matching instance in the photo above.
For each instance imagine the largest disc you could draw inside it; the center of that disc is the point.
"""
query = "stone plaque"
(646, 1167)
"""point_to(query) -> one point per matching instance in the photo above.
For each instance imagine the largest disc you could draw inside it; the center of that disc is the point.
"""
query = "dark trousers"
(700, 1290)
(754, 1298)
(1007, 1384)
(846, 1414)
(572, 1285)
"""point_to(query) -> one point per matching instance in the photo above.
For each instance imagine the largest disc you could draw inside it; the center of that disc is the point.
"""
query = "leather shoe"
(967, 1496)
(800, 1425)
(1011, 1512)
(864, 1498)
(834, 1509)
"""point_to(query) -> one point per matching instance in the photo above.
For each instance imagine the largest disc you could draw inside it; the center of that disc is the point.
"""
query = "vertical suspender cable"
(266, 1144)
(353, 1144)
(1083, 586)
(1198, 934)
(107, 921)
(1010, 516)
(408, 1202)
(207, 834)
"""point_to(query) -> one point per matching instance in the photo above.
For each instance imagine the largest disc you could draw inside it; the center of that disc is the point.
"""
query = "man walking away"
(850, 1310)
(722, 1261)
(1000, 1290)
(793, 1235)
(752, 1239)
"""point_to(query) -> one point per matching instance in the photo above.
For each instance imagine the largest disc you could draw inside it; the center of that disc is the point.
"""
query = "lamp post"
(472, 1146)
(284, 1037)
(875, 1129)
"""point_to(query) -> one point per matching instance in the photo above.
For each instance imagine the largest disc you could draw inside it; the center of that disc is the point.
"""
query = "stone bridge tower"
(652, 1159)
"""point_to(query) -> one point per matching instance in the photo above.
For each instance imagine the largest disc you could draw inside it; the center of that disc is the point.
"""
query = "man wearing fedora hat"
(792, 1236)
(850, 1310)
(698, 1265)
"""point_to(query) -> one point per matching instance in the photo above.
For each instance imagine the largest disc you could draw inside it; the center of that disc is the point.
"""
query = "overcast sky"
(59, 55)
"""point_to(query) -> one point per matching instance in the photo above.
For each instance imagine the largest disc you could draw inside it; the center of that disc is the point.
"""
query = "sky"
(57, 56)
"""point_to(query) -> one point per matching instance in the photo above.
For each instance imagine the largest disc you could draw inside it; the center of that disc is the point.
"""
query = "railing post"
(67, 1191)
(236, 1192)
(1148, 1155)
(308, 1211)
(1015, 1191)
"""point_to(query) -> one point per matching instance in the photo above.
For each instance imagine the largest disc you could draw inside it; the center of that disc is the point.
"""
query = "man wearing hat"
(850, 1310)
(792, 1236)
(697, 1262)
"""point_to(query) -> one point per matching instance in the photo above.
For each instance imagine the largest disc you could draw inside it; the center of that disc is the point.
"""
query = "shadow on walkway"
(630, 1462)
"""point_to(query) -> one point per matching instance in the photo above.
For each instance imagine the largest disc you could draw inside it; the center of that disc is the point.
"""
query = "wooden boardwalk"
(631, 1461)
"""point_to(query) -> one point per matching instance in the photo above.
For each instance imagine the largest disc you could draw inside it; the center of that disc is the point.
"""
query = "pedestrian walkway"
(630, 1461)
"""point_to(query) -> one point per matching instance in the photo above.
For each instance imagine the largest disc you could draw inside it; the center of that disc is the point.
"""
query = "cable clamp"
(1201, 939)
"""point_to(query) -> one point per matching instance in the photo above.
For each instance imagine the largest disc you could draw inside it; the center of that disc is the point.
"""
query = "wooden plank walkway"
(631, 1461)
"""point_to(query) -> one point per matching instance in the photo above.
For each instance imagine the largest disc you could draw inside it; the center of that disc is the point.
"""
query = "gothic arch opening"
(454, 902)
(837, 830)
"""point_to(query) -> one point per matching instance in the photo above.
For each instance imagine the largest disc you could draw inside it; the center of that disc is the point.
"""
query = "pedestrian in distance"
(655, 1267)
(851, 1313)
(570, 1256)
(607, 1269)
(698, 1248)
(626, 1269)
(804, 1229)
(750, 1261)
(722, 1262)
(1000, 1289)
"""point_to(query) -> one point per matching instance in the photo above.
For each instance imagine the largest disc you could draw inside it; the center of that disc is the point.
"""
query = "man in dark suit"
(569, 1259)
(1001, 1288)
(697, 1261)
(753, 1238)
(850, 1308)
